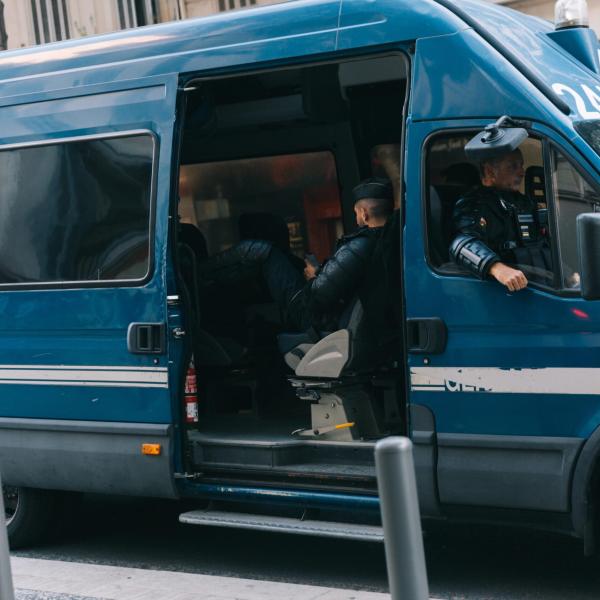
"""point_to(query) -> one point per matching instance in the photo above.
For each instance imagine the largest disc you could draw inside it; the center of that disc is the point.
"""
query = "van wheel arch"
(29, 514)
(585, 494)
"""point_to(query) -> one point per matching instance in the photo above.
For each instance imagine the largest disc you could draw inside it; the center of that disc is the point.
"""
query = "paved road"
(465, 562)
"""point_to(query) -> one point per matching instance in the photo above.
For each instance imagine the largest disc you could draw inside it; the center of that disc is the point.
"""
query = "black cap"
(378, 188)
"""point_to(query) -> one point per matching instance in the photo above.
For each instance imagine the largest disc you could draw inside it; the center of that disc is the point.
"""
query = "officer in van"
(317, 297)
(498, 230)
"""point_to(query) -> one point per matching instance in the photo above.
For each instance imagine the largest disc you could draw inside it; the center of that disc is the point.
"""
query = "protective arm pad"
(471, 253)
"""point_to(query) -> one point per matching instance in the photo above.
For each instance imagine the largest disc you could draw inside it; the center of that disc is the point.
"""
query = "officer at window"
(496, 226)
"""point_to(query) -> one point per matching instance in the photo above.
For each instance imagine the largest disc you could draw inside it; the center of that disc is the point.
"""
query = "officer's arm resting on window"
(470, 248)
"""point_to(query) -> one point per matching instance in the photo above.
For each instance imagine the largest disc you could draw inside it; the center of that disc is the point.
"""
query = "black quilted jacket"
(342, 275)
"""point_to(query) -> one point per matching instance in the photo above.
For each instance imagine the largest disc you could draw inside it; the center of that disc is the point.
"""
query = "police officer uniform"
(493, 225)
(319, 302)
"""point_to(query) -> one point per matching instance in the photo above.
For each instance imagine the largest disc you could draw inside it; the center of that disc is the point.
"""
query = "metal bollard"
(6, 584)
(405, 557)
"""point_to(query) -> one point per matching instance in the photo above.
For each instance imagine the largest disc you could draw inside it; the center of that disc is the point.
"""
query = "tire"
(28, 514)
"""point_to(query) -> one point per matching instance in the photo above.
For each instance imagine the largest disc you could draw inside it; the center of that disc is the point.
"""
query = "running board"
(332, 529)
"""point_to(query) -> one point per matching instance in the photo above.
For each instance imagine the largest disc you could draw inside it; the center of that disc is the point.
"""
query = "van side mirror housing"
(588, 249)
(497, 139)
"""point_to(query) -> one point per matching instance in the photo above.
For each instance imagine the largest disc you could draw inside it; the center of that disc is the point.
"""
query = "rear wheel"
(28, 514)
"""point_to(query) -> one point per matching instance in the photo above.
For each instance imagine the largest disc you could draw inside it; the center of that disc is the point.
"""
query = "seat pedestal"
(339, 411)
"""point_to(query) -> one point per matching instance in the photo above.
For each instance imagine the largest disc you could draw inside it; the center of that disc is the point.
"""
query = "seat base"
(340, 414)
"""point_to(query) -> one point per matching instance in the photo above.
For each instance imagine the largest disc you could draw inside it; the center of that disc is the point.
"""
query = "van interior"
(274, 155)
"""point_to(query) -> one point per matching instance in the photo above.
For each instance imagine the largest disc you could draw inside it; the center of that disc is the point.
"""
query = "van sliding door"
(84, 375)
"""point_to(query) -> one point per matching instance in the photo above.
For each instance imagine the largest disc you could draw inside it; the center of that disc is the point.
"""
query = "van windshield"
(590, 132)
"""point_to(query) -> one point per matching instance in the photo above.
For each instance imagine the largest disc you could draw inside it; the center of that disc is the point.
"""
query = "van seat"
(192, 237)
(212, 351)
(442, 199)
(294, 346)
(209, 350)
(535, 184)
(319, 354)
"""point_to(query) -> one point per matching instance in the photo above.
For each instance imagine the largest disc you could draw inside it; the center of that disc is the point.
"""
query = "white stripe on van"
(84, 383)
(101, 376)
(76, 375)
(495, 380)
(85, 367)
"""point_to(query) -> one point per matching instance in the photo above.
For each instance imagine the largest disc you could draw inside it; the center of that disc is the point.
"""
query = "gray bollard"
(6, 584)
(405, 557)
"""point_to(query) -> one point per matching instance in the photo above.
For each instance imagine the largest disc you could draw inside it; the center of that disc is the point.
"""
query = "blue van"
(128, 159)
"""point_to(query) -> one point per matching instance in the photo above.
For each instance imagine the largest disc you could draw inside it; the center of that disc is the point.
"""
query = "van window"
(573, 196)
(76, 211)
(258, 197)
(451, 175)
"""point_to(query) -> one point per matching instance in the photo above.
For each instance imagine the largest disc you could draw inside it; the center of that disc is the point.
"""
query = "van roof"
(232, 29)
(279, 33)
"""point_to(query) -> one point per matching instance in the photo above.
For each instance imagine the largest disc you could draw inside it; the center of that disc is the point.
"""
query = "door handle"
(426, 336)
(146, 338)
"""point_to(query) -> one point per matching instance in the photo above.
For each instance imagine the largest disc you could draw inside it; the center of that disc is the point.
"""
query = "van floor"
(243, 447)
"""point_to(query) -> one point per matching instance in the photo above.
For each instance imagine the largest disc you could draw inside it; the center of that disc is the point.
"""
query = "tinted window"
(590, 132)
(291, 200)
(572, 196)
(77, 211)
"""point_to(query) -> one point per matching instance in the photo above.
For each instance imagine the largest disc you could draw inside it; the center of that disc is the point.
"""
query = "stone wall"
(545, 9)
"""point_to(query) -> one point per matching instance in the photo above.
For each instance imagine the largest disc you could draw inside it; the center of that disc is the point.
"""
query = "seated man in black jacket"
(318, 298)
(496, 226)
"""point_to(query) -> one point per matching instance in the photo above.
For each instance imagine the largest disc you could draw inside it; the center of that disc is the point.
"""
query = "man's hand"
(513, 279)
(574, 280)
(310, 271)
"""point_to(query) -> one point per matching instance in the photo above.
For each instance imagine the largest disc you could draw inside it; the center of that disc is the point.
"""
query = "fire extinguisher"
(190, 394)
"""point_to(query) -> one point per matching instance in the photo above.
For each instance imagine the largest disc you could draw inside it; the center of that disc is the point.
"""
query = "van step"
(276, 453)
(333, 529)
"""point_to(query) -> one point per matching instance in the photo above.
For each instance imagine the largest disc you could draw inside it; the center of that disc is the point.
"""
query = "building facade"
(545, 9)
(31, 22)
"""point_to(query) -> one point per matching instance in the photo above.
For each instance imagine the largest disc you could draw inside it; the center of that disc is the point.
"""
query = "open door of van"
(84, 372)
(506, 377)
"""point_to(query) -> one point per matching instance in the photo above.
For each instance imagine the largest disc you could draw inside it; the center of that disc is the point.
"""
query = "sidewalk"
(36, 579)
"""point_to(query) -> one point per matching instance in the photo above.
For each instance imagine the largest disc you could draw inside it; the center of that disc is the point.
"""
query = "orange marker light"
(151, 449)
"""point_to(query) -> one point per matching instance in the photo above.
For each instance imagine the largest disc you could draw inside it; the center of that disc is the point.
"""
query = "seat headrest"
(265, 226)
(191, 236)
(535, 184)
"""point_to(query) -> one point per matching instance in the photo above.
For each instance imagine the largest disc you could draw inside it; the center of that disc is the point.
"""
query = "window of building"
(50, 20)
(261, 197)
(135, 13)
(84, 217)
(233, 4)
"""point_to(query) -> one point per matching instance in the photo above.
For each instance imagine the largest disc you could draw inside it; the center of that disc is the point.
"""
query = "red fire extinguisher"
(190, 394)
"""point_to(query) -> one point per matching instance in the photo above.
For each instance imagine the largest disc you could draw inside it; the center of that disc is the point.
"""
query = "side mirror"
(495, 140)
(588, 249)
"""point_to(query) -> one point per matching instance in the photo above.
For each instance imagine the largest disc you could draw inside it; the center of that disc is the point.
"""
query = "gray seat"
(328, 355)
(329, 375)
(293, 347)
